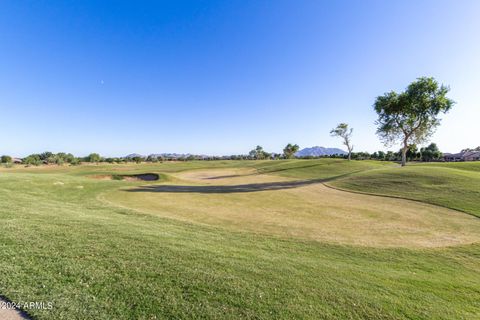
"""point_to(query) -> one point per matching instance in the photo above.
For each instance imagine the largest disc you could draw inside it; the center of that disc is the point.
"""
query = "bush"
(33, 160)
(75, 162)
(93, 157)
(6, 159)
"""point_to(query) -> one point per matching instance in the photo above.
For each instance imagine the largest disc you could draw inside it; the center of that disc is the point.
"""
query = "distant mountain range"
(306, 152)
(165, 155)
(318, 152)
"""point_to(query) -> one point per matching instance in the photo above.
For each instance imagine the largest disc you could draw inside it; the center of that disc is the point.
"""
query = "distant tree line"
(50, 158)
(425, 154)
(429, 153)
(471, 149)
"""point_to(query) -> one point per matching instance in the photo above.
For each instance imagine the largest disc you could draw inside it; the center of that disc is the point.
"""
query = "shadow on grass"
(230, 176)
(241, 188)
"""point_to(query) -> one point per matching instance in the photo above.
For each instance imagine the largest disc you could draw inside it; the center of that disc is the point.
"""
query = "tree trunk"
(404, 155)
(349, 148)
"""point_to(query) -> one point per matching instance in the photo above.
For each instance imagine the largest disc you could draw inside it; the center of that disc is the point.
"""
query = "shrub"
(6, 159)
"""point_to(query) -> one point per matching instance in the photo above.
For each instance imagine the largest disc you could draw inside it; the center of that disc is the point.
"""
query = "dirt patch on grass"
(231, 176)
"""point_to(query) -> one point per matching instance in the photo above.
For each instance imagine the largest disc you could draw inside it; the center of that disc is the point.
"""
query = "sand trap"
(226, 176)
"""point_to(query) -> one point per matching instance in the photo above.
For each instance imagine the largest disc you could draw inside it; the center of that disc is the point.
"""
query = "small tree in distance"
(137, 159)
(93, 157)
(258, 153)
(345, 133)
(431, 153)
(290, 150)
(469, 149)
(6, 159)
(411, 116)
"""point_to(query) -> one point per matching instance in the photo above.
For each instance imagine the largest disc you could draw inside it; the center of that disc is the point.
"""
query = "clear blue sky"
(219, 77)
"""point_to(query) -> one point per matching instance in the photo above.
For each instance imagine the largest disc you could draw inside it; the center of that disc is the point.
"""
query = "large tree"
(344, 132)
(290, 150)
(411, 117)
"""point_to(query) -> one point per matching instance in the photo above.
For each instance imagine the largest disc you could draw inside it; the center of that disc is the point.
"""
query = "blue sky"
(219, 77)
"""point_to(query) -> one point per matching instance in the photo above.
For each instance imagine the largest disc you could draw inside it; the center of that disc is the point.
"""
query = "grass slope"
(59, 243)
(454, 186)
(318, 169)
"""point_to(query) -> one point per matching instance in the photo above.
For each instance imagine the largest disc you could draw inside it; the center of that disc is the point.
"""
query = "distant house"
(472, 156)
(17, 160)
(462, 156)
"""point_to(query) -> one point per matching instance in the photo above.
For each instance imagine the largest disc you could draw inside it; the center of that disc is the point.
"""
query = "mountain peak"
(317, 151)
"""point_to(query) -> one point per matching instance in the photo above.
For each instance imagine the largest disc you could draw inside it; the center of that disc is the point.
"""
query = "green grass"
(59, 243)
(318, 169)
(131, 168)
(455, 185)
(469, 166)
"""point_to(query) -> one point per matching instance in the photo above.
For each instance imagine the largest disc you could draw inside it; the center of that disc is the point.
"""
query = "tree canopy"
(6, 159)
(290, 150)
(93, 157)
(258, 153)
(430, 153)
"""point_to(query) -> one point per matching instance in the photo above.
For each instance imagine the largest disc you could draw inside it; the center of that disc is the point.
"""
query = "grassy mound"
(318, 169)
(454, 186)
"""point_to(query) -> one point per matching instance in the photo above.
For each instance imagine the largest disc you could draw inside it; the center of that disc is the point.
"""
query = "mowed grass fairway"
(230, 240)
